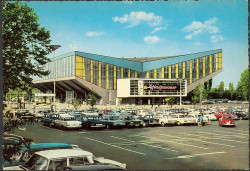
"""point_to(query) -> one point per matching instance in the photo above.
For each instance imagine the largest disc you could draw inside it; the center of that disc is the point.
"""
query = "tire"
(51, 125)
(108, 126)
(219, 124)
(162, 124)
(178, 123)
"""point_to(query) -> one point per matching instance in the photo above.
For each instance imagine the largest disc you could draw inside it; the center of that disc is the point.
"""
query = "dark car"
(131, 121)
(48, 119)
(24, 114)
(239, 113)
(92, 121)
(149, 120)
(113, 121)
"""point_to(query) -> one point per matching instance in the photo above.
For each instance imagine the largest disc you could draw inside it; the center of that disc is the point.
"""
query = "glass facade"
(105, 75)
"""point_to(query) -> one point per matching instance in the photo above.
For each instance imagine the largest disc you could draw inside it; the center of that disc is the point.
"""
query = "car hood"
(13, 168)
(108, 161)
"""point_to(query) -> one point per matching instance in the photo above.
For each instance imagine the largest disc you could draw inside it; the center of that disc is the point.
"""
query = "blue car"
(25, 152)
(48, 119)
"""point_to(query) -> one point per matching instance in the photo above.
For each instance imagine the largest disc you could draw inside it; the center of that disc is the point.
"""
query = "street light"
(54, 47)
(180, 79)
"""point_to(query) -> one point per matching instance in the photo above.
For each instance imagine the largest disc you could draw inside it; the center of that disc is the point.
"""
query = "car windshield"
(36, 162)
(227, 117)
(69, 118)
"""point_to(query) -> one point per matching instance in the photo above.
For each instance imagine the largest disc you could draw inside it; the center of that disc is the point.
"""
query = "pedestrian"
(201, 119)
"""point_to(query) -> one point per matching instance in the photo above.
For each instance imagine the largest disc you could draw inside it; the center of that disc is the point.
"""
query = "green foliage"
(171, 101)
(76, 103)
(196, 94)
(231, 90)
(92, 100)
(242, 87)
(25, 46)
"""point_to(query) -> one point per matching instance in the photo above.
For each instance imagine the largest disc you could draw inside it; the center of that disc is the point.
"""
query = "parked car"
(150, 120)
(226, 120)
(166, 120)
(60, 159)
(131, 121)
(95, 167)
(218, 114)
(66, 121)
(92, 121)
(49, 119)
(182, 119)
(245, 117)
(25, 152)
(113, 121)
(239, 113)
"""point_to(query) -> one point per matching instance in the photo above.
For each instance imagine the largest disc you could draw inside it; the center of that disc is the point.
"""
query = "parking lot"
(158, 148)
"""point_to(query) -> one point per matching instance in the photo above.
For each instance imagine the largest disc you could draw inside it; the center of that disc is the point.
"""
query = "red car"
(226, 120)
(218, 114)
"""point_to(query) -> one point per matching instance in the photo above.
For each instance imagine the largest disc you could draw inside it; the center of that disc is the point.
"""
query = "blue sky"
(151, 29)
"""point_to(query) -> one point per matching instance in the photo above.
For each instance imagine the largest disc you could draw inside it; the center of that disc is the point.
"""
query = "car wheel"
(162, 124)
(108, 126)
(178, 123)
(51, 125)
(219, 123)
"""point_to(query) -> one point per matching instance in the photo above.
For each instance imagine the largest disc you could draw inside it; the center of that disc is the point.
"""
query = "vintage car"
(113, 121)
(166, 120)
(66, 121)
(245, 117)
(90, 112)
(131, 121)
(149, 120)
(239, 113)
(226, 120)
(60, 159)
(49, 119)
(95, 167)
(92, 121)
(25, 114)
(26, 151)
(218, 114)
(182, 119)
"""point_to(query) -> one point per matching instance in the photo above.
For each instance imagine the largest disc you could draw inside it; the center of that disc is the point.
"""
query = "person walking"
(201, 119)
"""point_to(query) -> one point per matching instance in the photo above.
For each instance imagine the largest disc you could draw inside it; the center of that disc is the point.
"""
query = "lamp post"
(180, 91)
(54, 47)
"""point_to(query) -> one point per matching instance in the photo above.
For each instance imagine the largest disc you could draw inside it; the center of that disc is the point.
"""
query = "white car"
(183, 119)
(67, 121)
(166, 120)
(61, 158)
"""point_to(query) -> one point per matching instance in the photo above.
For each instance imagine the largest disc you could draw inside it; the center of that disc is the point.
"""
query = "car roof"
(65, 115)
(40, 146)
(63, 153)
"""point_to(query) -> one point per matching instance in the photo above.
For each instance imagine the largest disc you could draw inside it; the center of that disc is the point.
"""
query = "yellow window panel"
(169, 72)
(78, 59)
(147, 74)
(83, 68)
(162, 72)
(197, 69)
(107, 76)
(183, 69)
(129, 74)
(155, 73)
(135, 74)
(176, 70)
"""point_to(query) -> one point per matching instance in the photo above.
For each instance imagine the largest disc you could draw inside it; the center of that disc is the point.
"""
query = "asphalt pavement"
(158, 148)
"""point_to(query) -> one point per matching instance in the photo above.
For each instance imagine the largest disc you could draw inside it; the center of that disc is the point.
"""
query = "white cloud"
(188, 36)
(197, 27)
(94, 33)
(135, 18)
(216, 38)
(158, 29)
(151, 39)
(128, 2)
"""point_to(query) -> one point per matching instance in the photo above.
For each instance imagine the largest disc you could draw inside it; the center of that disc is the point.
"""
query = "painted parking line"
(213, 138)
(52, 128)
(115, 146)
(173, 142)
(231, 132)
(223, 136)
(195, 155)
(146, 144)
(84, 132)
(197, 139)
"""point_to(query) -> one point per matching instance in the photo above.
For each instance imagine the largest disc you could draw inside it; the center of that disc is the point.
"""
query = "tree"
(76, 103)
(25, 46)
(171, 101)
(92, 100)
(196, 94)
(242, 87)
(221, 89)
(231, 89)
